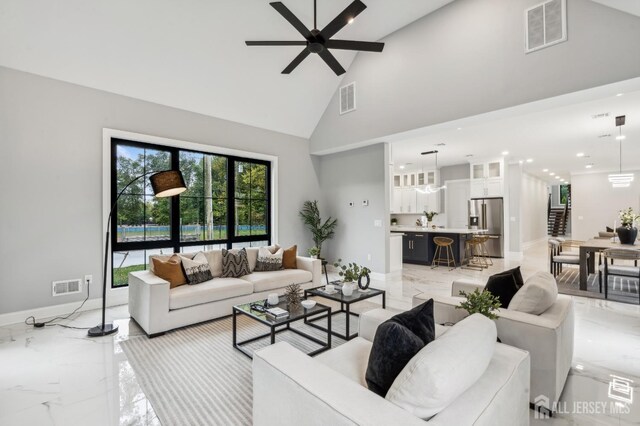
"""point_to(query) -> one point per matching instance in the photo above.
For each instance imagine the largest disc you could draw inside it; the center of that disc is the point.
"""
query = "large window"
(227, 204)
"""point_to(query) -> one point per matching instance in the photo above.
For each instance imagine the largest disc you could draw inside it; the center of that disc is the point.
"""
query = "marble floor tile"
(58, 376)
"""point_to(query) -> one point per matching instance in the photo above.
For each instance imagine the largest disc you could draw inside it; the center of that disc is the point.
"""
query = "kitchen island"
(418, 246)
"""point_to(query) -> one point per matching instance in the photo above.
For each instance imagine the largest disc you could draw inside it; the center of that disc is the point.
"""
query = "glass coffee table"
(345, 306)
(280, 325)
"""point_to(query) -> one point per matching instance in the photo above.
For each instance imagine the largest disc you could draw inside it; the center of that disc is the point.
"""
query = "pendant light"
(620, 180)
(430, 189)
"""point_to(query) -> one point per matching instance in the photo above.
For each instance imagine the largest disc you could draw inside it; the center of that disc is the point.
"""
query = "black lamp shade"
(167, 183)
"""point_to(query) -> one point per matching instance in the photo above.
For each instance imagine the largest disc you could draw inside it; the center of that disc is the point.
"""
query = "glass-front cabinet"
(487, 178)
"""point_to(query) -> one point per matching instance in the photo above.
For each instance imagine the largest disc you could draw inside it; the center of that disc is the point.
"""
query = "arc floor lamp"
(168, 183)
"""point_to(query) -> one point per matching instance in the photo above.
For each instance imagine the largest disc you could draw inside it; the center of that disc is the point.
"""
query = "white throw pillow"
(537, 294)
(268, 261)
(445, 368)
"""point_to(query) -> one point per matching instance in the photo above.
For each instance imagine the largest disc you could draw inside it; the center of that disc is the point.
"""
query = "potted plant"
(430, 215)
(320, 231)
(480, 303)
(627, 232)
(314, 252)
(350, 273)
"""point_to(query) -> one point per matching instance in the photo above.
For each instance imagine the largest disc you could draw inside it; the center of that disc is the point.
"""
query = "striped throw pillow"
(235, 265)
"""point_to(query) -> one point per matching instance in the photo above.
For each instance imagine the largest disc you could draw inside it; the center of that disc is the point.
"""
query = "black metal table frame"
(347, 336)
(286, 326)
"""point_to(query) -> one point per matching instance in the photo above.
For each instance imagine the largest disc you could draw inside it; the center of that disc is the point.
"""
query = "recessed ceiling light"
(402, 167)
(619, 94)
(621, 138)
(459, 128)
(505, 152)
(588, 166)
(557, 177)
(551, 174)
(529, 160)
(520, 161)
(580, 154)
(350, 21)
(545, 170)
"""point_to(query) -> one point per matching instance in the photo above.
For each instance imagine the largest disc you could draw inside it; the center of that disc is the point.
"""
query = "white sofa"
(158, 309)
(330, 389)
(548, 337)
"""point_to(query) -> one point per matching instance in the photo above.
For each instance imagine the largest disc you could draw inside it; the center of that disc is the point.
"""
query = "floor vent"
(545, 25)
(348, 98)
(66, 287)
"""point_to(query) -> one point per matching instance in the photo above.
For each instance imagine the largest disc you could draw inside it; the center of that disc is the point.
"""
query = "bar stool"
(484, 253)
(473, 251)
(438, 256)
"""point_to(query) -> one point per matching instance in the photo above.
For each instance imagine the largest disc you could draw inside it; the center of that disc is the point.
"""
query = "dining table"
(587, 255)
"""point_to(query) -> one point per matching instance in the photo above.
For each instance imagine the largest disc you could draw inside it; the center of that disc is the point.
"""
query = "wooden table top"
(605, 244)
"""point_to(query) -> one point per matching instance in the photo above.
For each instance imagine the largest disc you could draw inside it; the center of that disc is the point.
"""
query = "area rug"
(621, 289)
(194, 376)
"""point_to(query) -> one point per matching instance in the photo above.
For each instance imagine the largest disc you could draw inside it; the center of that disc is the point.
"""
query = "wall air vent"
(605, 135)
(601, 115)
(545, 25)
(60, 288)
(348, 98)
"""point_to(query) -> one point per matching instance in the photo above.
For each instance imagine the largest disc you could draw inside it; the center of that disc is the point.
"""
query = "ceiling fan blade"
(276, 43)
(332, 62)
(293, 20)
(367, 46)
(296, 61)
(340, 21)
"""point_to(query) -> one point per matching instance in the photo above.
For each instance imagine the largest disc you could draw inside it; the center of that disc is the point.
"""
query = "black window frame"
(174, 241)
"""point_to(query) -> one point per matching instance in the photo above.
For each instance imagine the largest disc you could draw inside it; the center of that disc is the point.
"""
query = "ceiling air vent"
(545, 25)
(601, 115)
(66, 287)
(348, 98)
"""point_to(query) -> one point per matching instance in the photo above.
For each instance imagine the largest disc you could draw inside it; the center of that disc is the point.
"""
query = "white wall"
(595, 204)
(354, 176)
(534, 195)
(468, 58)
(51, 174)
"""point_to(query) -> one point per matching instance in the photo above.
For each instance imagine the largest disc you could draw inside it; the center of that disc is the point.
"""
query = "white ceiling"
(552, 138)
(629, 6)
(190, 54)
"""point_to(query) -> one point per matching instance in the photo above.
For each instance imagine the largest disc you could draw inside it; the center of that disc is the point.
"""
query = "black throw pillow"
(505, 285)
(397, 340)
(609, 229)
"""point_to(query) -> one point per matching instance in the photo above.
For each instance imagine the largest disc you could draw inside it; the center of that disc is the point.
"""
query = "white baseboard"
(529, 244)
(514, 255)
(115, 297)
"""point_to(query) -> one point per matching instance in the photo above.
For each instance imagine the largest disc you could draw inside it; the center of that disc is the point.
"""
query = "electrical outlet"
(88, 279)
(365, 203)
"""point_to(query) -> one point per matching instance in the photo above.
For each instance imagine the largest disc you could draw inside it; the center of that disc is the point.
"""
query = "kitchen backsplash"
(410, 219)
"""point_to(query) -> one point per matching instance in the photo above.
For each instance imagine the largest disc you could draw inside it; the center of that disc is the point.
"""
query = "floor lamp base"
(99, 330)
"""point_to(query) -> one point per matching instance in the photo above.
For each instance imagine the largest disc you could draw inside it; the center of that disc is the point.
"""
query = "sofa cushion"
(215, 262)
(170, 270)
(236, 264)
(504, 286)
(397, 341)
(445, 368)
(537, 295)
(268, 261)
(208, 291)
(265, 281)
(197, 270)
(350, 359)
(289, 258)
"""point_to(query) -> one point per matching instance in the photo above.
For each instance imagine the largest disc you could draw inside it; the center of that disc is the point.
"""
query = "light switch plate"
(377, 223)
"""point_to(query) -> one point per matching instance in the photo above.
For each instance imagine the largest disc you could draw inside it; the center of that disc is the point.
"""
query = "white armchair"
(330, 389)
(547, 337)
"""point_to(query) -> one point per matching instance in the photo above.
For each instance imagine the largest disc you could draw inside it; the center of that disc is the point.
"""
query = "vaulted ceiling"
(190, 54)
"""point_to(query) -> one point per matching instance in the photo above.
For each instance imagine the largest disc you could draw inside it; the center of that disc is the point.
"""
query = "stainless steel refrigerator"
(488, 213)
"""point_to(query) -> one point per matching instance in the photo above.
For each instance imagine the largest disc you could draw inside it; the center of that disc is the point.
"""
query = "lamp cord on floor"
(48, 323)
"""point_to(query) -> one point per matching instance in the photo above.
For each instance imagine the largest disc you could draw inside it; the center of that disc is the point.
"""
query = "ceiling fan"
(319, 41)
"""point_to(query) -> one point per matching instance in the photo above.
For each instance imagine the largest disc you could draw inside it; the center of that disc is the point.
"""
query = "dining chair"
(559, 255)
(620, 270)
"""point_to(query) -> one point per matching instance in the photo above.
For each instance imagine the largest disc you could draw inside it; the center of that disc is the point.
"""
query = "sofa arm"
(312, 265)
(370, 320)
(466, 285)
(148, 300)
(314, 393)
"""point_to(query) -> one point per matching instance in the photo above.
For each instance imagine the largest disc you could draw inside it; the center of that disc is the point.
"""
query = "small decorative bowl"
(308, 304)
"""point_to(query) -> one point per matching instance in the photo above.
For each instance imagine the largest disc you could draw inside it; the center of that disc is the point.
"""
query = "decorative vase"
(347, 289)
(364, 285)
(428, 224)
(627, 235)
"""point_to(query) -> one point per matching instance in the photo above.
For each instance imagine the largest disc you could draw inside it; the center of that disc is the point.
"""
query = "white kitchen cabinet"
(487, 179)
(397, 181)
(409, 180)
(408, 200)
(428, 202)
(396, 200)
